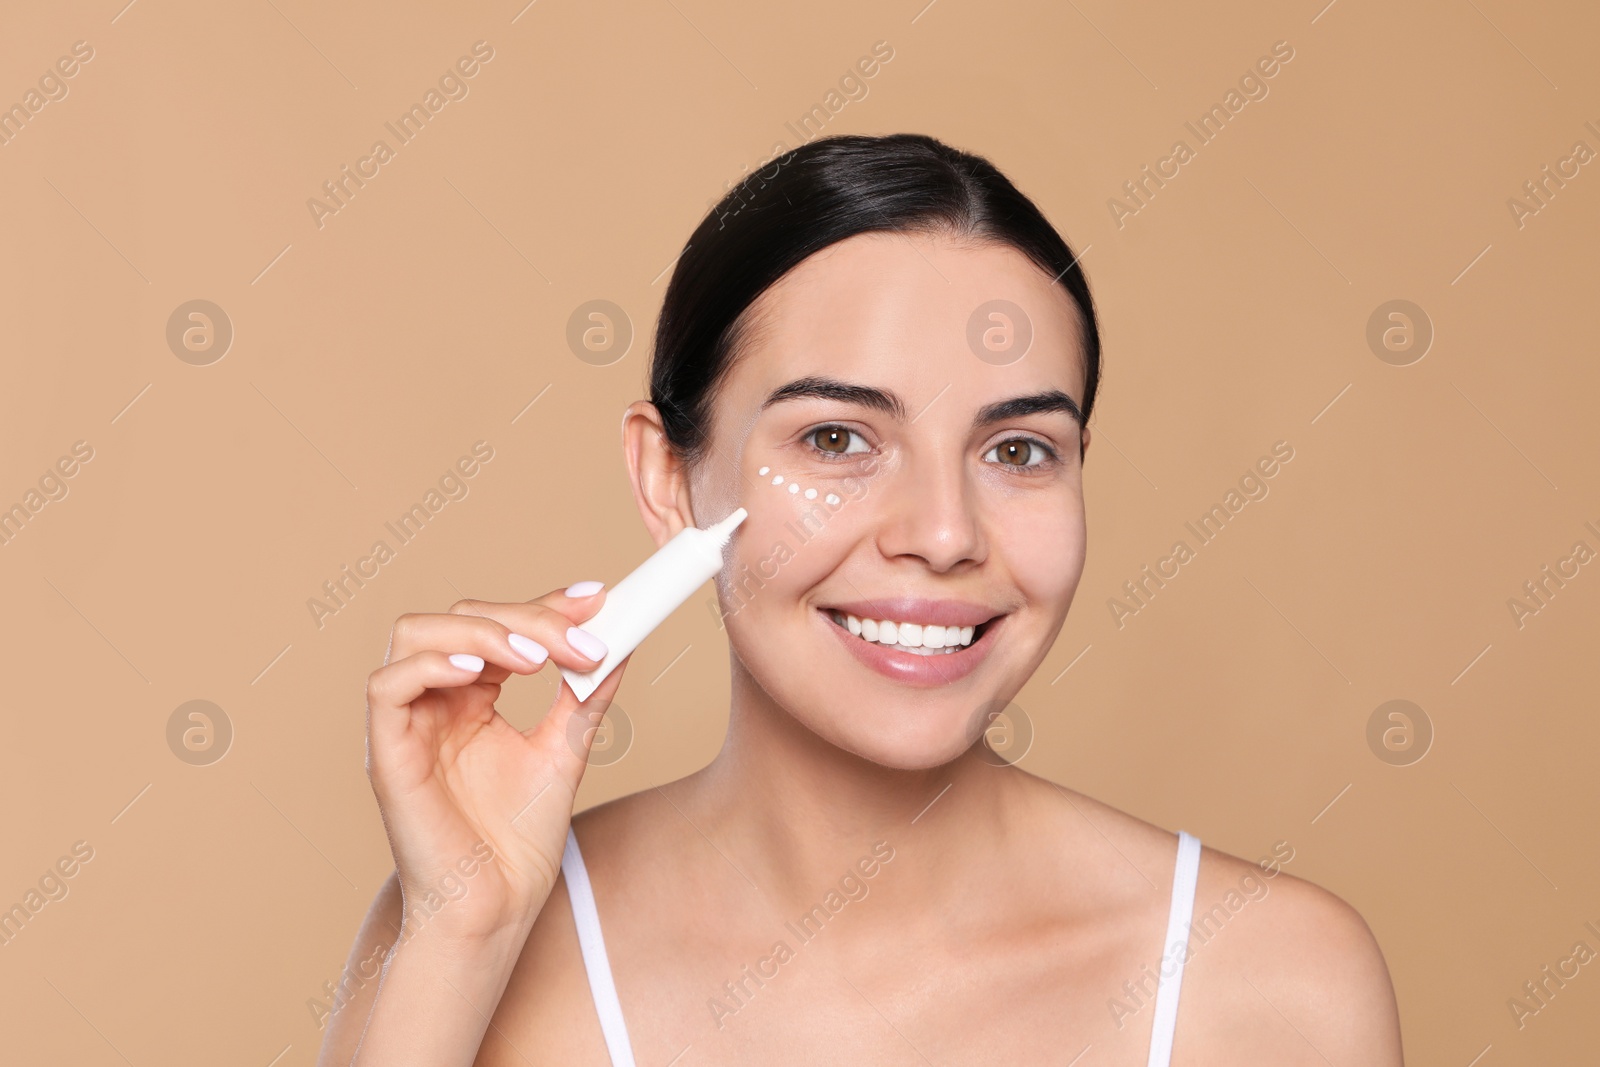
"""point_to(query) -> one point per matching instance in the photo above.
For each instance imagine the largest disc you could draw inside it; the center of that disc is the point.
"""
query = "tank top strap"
(1174, 949)
(595, 962)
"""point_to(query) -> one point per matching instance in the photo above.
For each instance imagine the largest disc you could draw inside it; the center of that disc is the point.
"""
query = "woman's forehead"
(915, 311)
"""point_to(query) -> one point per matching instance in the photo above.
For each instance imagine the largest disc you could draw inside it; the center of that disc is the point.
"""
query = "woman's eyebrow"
(814, 386)
(1032, 404)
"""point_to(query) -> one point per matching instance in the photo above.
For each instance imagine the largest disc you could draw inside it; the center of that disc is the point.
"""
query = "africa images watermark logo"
(737, 993)
(453, 485)
(51, 88)
(1253, 86)
(1253, 486)
(452, 86)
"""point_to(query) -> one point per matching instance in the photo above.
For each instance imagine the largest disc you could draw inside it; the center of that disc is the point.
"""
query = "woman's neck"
(798, 812)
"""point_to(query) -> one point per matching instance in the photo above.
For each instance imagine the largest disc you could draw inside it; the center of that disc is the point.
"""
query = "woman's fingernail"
(584, 588)
(587, 643)
(466, 661)
(528, 648)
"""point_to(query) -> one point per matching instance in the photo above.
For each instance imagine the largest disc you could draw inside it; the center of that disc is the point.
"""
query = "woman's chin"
(899, 746)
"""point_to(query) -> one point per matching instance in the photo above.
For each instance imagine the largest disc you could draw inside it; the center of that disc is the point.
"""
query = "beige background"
(372, 352)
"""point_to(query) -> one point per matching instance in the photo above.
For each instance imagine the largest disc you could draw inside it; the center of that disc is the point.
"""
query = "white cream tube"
(643, 600)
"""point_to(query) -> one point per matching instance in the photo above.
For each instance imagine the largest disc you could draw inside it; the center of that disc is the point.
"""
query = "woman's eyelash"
(1052, 454)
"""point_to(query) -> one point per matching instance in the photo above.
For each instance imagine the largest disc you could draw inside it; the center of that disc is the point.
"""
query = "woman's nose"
(930, 511)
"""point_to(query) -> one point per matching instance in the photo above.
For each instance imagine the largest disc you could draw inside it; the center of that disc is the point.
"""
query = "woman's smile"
(923, 653)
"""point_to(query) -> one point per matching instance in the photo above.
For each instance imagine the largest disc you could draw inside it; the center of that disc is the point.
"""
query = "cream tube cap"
(723, 530)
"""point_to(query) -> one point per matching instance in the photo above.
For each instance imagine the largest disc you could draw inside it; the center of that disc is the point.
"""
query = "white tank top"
(604, 990)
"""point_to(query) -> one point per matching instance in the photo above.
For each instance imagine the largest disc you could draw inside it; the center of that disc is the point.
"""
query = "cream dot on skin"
(794, 487)
(832, 499)
(777, 479)
(763, 471)
(811, 494)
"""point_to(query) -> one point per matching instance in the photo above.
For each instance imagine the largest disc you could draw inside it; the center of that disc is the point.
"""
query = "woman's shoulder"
(1268, 952)
(1276, 950)
(547, 1003)
(629, 833)
(548, 993)
(611, 836)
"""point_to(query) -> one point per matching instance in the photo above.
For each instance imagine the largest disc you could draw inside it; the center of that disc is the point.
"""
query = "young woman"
(885, 353)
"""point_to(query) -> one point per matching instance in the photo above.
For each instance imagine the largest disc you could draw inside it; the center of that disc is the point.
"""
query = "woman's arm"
(433, 1000)
(357, 989)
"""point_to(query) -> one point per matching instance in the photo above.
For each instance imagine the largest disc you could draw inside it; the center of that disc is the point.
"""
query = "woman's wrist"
(437, 995)
(480, 944)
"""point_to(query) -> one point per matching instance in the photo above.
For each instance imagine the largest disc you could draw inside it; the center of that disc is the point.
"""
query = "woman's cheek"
(810, 530)
(1045, 552)
(798, 530)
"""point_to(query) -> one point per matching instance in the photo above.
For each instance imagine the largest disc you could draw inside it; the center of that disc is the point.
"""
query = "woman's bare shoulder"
(639, 831)
(547, 1004)
(1274, 962)
(1276, 954)
(1149, 848)
(546, 1010)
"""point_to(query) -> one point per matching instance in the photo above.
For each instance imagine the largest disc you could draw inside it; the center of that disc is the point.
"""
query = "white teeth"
(921, 638)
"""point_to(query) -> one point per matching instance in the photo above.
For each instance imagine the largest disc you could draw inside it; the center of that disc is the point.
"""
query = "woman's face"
(860, 429)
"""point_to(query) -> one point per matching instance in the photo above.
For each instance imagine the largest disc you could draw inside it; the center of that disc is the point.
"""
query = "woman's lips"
(911, 668)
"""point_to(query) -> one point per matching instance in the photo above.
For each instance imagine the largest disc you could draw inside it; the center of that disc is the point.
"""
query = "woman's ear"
(660, 482)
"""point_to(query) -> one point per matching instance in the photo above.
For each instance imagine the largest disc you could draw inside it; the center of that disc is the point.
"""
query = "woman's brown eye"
(1009, 450)
(827, 437)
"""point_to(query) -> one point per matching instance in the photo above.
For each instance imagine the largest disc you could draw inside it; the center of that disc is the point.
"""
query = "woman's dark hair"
(805, 200)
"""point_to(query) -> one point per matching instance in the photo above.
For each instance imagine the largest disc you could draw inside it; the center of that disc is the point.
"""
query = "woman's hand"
(460, 788)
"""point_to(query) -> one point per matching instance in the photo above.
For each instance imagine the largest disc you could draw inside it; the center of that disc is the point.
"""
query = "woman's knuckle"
(544, 615)
(380, 683)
